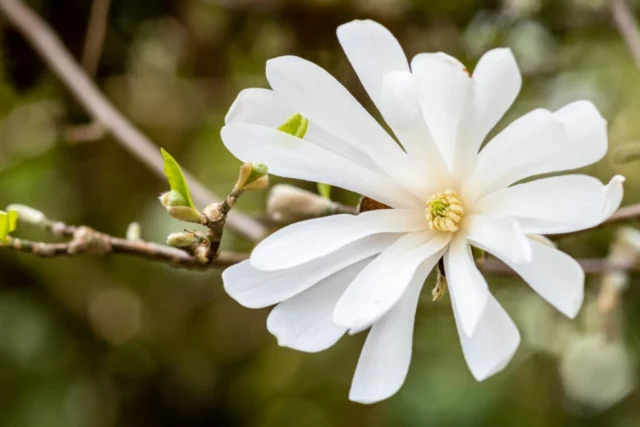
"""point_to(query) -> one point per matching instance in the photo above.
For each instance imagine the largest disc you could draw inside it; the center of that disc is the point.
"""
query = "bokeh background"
(100, 342)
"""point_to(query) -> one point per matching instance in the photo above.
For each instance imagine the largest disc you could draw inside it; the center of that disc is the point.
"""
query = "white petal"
(373, 52)
(467, 287)
(444, 90)
(554, 275)
(587, 136)
(264, 107)
(613, 193)
(292, 157)
(258, 106)
(496, 84)
(525, 148)
(553, 205)
(304, 322)
(381, 284)
(400, 106)
(498, 236)
(494, 342)
(386, 355)
(255, 288)
(315, 94)
(307, 240)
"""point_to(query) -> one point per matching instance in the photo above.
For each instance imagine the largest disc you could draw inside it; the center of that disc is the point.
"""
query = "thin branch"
(47, 44)
(85, 240)
(96, 32)
(627, 27)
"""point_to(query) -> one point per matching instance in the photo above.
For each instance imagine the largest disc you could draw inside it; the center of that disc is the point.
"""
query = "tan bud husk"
(253, 176)
(287, 203)
(184, 213)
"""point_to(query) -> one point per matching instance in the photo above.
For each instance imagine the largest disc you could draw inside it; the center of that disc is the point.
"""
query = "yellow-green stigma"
(444, 211)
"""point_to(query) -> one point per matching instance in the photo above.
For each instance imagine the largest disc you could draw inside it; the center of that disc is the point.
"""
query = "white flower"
(346, 273)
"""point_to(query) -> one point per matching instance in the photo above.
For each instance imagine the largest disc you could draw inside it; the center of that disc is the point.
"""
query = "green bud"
(173, 198)
(295, 125)
(183, 239)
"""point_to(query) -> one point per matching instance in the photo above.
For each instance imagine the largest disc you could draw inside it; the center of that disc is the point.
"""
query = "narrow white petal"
(496, 84)
(400, 106)
(553, 205)
(264, 107)
(613, 193)
(386, 355)
(304, 241)
(317, 95)
(373, 52)
(444, 90)
(468, 289)
(258, 106)
(304, 322)
(255, 288)
(587, 136)
(554, 275)
(292, 157)
(521, 150)
(493, 343)
(381, 284)
(498, 235)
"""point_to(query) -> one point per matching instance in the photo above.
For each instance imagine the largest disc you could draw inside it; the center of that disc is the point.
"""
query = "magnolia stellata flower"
(348, 273)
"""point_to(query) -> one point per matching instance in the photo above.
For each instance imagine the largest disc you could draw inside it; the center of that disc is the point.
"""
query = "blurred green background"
(99, 342)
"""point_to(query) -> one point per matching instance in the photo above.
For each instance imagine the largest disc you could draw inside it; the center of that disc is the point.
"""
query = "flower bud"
(27, 214)
(182, 239)
(184, 213)
(253, 176)
(178, 207)
(287, 203)
(134, 232)
(597, 372)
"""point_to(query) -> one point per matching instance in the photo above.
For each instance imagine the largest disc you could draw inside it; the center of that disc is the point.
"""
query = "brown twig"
(85, 240)
(93, 45)
(51, 49)
(96, 32)
(627, 27)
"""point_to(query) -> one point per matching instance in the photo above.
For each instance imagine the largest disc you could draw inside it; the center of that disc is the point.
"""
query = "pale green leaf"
(295, 125)
(176, 178)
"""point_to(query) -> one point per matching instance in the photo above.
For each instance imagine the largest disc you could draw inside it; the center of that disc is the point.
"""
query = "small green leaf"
(4, 225)
(177, 181)
(295, 125)
(627, 153)
(12, 220)
(324, 190)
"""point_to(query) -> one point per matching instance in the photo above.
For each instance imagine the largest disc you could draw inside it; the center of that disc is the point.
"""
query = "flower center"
(444, 211)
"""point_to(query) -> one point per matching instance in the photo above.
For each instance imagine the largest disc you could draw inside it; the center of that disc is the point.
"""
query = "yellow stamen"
(444, 211)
